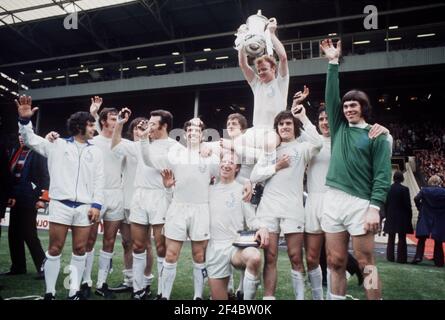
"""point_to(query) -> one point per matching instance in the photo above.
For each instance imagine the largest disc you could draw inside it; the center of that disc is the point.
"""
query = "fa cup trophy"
(253, 37)
(246, 239)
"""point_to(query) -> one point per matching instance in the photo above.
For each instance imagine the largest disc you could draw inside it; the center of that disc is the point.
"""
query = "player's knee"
(254, 260)
(138, 247)
(295, 255)
(79, 250)
(336, 262)
(297, 262)
(199, 256)
(365, 260)
(171, 256)
(312, 261)
(108, 244)
(160, 250)
(90, 244)
(54, 250)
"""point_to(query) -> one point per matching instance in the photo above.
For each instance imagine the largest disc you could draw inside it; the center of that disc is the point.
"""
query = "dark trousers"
(402, 249)
(438, 255)
(23, 229)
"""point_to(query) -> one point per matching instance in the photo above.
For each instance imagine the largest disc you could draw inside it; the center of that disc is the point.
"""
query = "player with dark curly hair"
(76, 190)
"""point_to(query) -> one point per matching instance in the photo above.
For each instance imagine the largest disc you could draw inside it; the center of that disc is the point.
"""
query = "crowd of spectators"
(425, 141)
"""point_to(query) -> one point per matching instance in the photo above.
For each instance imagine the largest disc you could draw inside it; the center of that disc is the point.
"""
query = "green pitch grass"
(401, 282)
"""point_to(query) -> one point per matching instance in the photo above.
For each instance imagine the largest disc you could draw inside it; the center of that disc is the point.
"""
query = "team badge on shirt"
(270, 92)
(295, 157)
(231, 202)
(88, 156)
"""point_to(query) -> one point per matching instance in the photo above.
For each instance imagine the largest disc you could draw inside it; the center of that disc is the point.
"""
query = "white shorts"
(257, 137)
(113, 208)
(313, 211)
(343, 212)
(149, 206)
(126, 216)
(284, 225)
(63, 214)
(218, 258)
(187, 220)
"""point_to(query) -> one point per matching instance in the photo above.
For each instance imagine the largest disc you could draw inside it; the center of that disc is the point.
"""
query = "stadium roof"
(117, 31)
(18, 11)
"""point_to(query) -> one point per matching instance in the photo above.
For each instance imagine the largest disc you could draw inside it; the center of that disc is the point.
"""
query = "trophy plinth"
(246, 239)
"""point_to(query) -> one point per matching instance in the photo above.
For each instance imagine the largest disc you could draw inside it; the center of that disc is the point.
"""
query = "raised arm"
(249, 154)
(33, 141)
(96, 102)
(309, 132)
(145, 144)
(248, 72)
(156, 161)
(122, 119)
(332, 92)
(283, 68)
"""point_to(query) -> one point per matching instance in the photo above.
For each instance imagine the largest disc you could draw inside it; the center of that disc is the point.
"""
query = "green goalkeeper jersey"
(359, 166)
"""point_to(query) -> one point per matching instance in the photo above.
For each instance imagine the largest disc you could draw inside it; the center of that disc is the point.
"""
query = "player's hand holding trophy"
(254, 37)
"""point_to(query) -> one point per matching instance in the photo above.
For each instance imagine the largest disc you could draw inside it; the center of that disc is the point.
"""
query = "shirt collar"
(71, 139)
(361, 125)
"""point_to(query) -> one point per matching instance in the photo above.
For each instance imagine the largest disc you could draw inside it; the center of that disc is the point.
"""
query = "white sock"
(230, 284)
(241, 282)
(128, 277)
(298, 284)
(51, 269)
(77, 266)
(104, 267)
(199, 274)
(148, 280)
(269, 298)
(250, 285)
(335, 297)
(160, 261)
(328, 282)
(139, 262)
(88, 268)
(315, 277)
(168, 275)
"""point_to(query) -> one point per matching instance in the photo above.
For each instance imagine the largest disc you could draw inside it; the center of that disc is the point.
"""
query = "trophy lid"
(258, 15)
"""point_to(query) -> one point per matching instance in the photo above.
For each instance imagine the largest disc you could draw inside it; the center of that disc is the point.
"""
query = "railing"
(393, 39)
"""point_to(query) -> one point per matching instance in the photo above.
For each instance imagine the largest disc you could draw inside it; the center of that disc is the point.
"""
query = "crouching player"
(228, 212)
